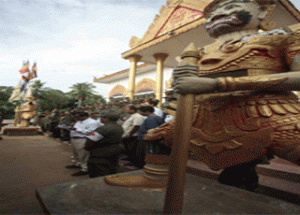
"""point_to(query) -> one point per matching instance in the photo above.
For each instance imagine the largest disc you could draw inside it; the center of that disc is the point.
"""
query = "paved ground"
(39, 161)
(26, 164)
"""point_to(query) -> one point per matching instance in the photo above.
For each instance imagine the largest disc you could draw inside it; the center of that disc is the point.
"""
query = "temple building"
(145, 84)
(178, 24)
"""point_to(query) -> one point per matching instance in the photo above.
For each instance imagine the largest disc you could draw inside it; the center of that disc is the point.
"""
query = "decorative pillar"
(134, 59)
(160, 58)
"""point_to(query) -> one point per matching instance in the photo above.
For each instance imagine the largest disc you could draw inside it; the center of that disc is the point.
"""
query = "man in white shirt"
(83, 127)
(94, 115)
(130, 127)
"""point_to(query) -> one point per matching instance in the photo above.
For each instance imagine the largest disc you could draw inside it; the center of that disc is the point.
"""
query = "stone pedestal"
(20, 131)
(202, 196)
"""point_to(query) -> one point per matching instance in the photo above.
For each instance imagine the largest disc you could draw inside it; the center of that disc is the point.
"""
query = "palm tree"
(37, 88)
(81, 91)
(94, 99)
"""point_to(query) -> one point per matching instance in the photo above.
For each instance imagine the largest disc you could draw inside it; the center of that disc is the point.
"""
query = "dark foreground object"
(201, 196)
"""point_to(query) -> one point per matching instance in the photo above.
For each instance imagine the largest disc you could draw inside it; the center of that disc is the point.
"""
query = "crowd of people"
(102, 135)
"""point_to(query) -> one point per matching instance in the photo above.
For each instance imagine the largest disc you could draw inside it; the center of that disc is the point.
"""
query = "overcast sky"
(71, 40)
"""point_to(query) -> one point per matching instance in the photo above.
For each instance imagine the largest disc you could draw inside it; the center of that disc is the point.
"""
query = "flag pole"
(181, 141)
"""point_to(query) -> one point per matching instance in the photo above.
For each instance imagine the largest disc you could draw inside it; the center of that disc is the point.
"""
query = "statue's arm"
(187, 81)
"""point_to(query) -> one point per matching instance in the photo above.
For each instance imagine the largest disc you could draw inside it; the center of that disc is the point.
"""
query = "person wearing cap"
(104, 145)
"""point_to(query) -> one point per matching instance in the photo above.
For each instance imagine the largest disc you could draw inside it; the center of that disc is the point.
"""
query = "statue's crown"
(213, 3)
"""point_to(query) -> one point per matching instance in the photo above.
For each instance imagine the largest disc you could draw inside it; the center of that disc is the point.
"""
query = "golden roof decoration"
(118, 89)
(145, 84)
(177, 13)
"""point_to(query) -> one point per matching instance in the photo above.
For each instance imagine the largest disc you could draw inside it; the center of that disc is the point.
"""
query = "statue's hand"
(195, 85)
(185, 71)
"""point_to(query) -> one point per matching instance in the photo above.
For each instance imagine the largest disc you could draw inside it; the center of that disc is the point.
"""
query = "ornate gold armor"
(27, 113)
(241, 126)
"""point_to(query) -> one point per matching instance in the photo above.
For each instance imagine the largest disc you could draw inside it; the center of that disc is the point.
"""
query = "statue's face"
(233, 15)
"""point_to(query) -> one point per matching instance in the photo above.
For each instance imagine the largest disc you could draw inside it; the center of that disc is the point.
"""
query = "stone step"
(280, 179)
(277, 168)
(285, 171)
(280, 189)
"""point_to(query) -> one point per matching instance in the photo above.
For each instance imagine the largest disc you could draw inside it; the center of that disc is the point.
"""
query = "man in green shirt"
(104, 147)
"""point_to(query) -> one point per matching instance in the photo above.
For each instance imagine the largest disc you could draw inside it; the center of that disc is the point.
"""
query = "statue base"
(21, 131)
(202, 196)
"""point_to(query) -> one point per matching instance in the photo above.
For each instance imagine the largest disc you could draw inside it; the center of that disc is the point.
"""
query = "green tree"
(82, 91)
(50, 99)
(6, 108)
(37, 88)
(92, 99)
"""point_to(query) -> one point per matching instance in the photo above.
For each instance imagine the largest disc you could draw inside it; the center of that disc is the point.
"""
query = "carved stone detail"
(176, 14)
